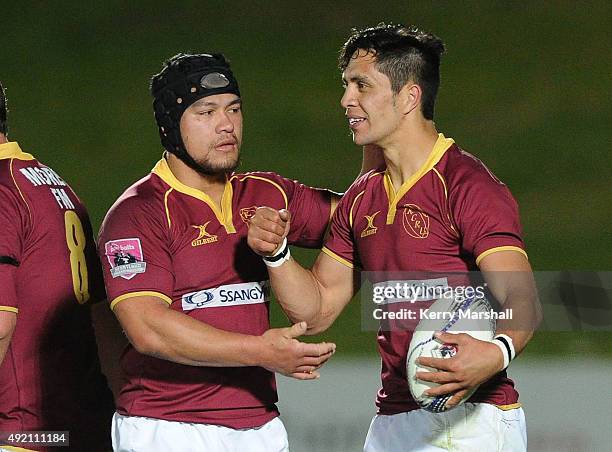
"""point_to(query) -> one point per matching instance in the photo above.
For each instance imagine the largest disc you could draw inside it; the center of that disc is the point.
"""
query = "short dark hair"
(403, 54)
(3, 110)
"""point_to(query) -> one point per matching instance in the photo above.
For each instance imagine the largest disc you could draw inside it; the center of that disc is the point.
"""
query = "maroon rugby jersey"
(50, 378)
(445, 218)
(166, 239)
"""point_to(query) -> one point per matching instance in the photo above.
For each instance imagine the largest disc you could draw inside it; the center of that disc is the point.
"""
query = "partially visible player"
(50, 376)
(189, 292)
(435, 208)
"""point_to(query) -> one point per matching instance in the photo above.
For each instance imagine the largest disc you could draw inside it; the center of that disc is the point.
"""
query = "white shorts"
(472, 427)
(143, 434)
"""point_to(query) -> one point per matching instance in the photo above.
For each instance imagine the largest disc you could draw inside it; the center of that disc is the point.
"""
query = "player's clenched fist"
(284, 354)
(267, 230)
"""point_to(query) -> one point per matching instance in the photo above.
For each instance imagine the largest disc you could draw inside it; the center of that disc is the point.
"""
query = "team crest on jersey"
(125, 258)
(247, 213)
(370, 229)
(415, 221)
(203, 237)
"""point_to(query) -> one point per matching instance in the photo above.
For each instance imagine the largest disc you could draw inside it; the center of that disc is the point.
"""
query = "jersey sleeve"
(94, 269)
(340, 244)
(134, 251)
(486, 214)
(14, 225)
(310, 213)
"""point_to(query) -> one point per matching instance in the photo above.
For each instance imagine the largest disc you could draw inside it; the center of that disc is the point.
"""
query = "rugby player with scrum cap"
(190, 294)
(431, 208)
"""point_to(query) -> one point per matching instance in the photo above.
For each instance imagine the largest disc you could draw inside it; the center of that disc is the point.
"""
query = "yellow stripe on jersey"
(450, 221)
(226, 208)
(9, 309)
(512, 406)
(250, 176)
(159, 295)
(335, 257)
(443, 182)
(352, 206)
(223, 214)
(166, 206)
(15, 449)
(484, 254)
(441, 146)
(11, 150)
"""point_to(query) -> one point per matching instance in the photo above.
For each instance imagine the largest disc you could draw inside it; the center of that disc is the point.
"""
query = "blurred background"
(525, 87)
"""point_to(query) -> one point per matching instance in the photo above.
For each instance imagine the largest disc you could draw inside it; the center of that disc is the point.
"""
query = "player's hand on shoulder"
(474, 363)
(267, 230)
(286, 355)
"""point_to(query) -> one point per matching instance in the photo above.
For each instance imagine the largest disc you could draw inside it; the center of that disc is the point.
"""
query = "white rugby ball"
(451, 315)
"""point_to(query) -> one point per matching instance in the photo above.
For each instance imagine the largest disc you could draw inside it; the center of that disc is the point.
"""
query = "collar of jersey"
(439, 149)
(224, 215)
(11, 150)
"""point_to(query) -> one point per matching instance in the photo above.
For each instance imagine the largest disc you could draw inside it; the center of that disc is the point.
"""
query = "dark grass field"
(525, 87)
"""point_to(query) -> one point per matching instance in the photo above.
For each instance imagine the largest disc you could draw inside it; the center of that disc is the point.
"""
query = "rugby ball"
(450, 315)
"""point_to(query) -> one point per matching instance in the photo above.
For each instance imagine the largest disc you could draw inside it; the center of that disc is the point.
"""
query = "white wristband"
(281, 256)
(505, 344)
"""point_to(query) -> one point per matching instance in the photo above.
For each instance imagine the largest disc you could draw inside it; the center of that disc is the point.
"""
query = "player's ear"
(409, 97)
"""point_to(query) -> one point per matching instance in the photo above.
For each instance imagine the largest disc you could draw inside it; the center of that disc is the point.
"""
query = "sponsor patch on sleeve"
(125, 258)
(227, 295)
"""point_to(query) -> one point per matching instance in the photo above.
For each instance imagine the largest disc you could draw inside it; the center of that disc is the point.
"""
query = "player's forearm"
(298, 293)
(525, 319)
(4, 345)
(7, 326)
(510, 280)
(173, 336)
(522, 302)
